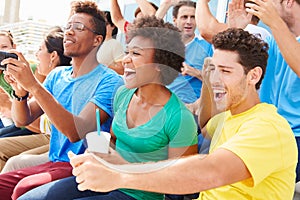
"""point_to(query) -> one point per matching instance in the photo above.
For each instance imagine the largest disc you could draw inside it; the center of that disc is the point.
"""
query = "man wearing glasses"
(69, 97)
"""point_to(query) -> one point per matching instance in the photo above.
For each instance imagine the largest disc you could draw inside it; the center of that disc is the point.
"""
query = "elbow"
(19, 123)
(74, 139)
(71, 135)
(206, 35)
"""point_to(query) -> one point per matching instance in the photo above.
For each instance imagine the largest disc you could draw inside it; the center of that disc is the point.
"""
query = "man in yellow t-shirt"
(253, 151)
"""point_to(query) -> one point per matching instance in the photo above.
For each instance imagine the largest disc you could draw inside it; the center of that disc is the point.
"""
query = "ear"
(157, 68)
(98, 40)
(289, 3)
(54, 58)
(174, 20)
(254, 75)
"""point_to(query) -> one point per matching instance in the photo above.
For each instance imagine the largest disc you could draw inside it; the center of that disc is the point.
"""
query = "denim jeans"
(298, 164)
(66, 189)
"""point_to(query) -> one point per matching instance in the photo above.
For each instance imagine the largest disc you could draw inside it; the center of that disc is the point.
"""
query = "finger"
(19, 54)
(75, 160)
(82, 187)
(79, 179)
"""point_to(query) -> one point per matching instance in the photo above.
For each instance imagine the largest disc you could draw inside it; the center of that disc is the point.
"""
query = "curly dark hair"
(91, 8)
(252, 50)
(166, 38)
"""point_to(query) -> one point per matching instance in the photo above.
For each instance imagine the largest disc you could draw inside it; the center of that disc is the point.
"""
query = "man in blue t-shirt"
(69, 97)
(187, 86)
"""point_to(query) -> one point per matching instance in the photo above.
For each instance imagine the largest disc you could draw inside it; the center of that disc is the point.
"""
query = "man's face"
(79, 42)
(228, 81)
(185, 21)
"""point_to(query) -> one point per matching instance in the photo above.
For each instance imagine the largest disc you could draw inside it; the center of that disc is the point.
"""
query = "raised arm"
(285, 39)
(164, 7)
(116, 15)
(146, 7)
(207, 24)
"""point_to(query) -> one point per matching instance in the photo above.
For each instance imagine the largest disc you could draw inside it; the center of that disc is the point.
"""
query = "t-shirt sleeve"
(182, 129)
(120, 94)
(257, 142)
(104, 94)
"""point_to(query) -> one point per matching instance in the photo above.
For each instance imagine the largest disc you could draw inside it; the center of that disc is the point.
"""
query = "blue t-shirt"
(98, 87)
(188, 88)
(281, 87)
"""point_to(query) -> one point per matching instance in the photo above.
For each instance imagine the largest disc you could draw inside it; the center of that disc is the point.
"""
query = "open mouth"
(219, 94)
(129, 73)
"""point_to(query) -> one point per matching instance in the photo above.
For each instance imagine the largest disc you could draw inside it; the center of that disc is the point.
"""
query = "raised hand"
(264, 10)
(237, 15)
(188, 70)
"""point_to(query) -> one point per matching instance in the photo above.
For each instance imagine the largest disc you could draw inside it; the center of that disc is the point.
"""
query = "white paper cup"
(98, 143)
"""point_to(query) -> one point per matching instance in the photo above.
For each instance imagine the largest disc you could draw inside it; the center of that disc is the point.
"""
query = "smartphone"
(4, 55)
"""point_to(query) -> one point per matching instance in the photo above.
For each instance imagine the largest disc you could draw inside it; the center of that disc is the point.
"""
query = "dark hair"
(182, 3)
(138, 10)
(252, 50)
(54, 42)
(109, 21)
(91, 8)
(166, 38)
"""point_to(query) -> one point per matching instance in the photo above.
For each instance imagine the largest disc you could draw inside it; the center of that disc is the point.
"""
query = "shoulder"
(59, 72)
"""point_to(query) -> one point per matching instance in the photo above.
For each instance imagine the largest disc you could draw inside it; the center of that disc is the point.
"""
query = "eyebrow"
(135, 47)
(225, 67)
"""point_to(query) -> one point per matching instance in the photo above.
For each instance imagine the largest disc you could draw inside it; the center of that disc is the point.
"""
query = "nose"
(215, 76)
(126, 59)
(68, 30)
(189, 20)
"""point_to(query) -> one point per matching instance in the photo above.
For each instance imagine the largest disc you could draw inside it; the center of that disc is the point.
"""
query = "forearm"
(116, 15)
(163, 9)
(173, 176)
(207, 107)
(146, 7)
(21, 114)
(207, 24)
(63, 120)
(287, 43)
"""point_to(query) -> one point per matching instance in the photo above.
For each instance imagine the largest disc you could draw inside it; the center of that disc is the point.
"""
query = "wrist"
(19, 96)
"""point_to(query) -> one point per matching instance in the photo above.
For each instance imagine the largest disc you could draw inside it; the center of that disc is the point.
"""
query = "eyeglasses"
(78, 26)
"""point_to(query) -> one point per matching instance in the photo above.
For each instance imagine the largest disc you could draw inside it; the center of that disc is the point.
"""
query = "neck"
(145, 94)
(245, 105)
(187, 39)
(83, 65)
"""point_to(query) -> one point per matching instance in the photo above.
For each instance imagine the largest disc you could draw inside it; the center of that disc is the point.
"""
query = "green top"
(7, 87)
(3, 84)
(172, 127)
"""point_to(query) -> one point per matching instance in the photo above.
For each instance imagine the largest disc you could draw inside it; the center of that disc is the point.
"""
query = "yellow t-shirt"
(265, 142)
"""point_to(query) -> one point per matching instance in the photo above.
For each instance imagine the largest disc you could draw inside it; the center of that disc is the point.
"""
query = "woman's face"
(44, 60)
(139, 66)
(5, 43)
